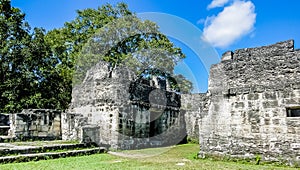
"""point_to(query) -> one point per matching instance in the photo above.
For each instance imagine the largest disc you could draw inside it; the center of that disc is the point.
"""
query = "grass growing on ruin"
(177, 157)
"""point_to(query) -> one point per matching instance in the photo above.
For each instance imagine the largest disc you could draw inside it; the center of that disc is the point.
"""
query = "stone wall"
(195, 107)
(129, 112)
(252, 92)
(71, 126)
(36, 123)
(96, 102)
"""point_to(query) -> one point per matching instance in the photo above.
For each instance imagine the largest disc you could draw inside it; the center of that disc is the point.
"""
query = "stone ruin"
(31, 124)
(253, 104)
(252, 108)
(119, 109)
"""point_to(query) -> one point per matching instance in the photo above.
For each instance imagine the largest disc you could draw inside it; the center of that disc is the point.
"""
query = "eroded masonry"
(252, 108)
(31, 124)
(116, 108)
(254, 104)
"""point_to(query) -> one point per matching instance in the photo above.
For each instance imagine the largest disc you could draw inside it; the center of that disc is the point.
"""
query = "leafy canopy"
(26, 66)
(37, 68)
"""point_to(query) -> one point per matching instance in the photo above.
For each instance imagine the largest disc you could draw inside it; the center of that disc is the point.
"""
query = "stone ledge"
(278, 48)
(31, 150)
(250, 158)
(50, 155)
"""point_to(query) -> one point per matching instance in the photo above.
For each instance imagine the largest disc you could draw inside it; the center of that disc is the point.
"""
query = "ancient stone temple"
(254, 104)
(252, 108)
(119, 109)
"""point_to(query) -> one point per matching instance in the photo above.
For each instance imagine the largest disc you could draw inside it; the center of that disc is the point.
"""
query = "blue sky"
(224, 25)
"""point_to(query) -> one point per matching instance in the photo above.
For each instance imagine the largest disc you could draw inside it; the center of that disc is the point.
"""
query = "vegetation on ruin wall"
(178, 157)
(36, 67)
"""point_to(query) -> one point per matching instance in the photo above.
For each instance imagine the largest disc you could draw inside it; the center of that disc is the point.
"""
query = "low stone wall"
(36, 123)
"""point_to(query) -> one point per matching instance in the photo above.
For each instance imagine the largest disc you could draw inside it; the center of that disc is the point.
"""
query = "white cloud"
(217, 3)
(234, 22)
(201, 21)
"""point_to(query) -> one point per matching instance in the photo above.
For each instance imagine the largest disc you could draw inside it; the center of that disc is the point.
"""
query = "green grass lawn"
(178, 157)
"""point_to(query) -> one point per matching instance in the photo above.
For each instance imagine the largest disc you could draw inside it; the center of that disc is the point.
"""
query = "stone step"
(50, 155)
(40, 149)
(6, 138)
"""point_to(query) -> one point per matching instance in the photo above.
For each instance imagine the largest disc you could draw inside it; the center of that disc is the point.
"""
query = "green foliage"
(192, 140)
(37, 68)
(66, 43)
(257, 159)
(136, 44)
(25, 63)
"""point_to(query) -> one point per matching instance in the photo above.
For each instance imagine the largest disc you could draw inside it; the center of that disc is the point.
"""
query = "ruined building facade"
(252, 108)
(115, 108)
(31, 124)
(253, 105)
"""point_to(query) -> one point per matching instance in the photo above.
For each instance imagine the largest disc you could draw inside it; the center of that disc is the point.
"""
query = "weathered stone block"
(258, 88)
(239, 105)
(35, 133)
(295, 145)
(42, 134)
(278, 129)
(253, 96)
(291, 101)
(296, 94)
(270, 104)
(270, 95)
(276, 121)
(227, 56)
(33, 127)
(45, 128)
(255, 129)
(291, 130)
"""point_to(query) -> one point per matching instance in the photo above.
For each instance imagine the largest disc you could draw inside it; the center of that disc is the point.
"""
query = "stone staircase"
(10, 153)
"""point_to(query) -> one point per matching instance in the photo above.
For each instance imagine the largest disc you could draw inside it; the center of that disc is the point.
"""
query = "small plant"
(195, 156)
(192, 140)
(47, 157)
(35, 158)
(257, 159)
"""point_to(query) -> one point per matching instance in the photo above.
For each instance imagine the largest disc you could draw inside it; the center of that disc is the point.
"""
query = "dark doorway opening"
(293, 111)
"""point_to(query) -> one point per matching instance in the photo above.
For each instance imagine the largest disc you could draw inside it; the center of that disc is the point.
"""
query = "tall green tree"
(36, 68)
(69, 43)
(27, 68)
(136, 44)
(14, 38)
(66, 43)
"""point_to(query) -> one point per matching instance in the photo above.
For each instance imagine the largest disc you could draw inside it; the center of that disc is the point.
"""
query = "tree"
(66, 43)
(36, 68)
(69, 43)
(14, 38)
(26, 66)
(136, 44)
